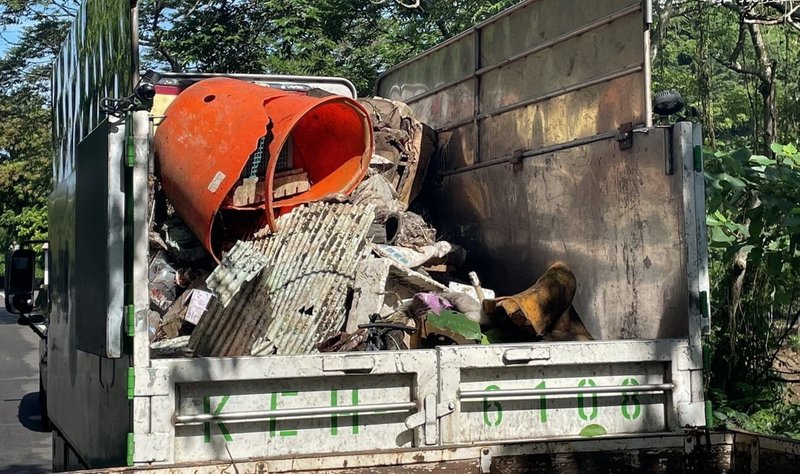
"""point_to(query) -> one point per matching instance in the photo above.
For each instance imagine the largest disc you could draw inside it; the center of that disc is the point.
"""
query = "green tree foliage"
(353, 39)
(734, 62)
(25, 170)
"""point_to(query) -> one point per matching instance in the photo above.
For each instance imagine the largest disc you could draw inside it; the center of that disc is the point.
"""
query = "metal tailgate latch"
(625, 136)
(429, 416)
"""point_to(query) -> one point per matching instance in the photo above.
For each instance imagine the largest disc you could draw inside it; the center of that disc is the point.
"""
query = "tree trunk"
(766, 87)
(663, 17)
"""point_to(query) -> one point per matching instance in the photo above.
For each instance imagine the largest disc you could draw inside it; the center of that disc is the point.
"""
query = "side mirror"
(20, 275)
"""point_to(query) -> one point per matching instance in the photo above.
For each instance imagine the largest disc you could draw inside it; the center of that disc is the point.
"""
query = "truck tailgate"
(207, 409)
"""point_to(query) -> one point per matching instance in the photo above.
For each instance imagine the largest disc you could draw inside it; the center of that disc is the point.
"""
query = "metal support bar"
(626, 71)
(532, 153)
(293, 413)
(522, 392)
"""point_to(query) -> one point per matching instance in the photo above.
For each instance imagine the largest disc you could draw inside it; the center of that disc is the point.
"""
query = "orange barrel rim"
(212, 130)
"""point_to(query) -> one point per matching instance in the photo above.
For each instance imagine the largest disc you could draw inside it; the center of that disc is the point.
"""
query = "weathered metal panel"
(99, 214)
(95, 61)
(557, 63)
(539, 22)
(540, 77)
(546, 390)
(427, 73)
(613, 215)
(286, 405)
(532, 172)
(587, 112)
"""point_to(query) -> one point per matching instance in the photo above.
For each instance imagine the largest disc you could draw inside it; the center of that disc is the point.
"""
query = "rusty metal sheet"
(540, 77)
(613, 215)
(438, 68)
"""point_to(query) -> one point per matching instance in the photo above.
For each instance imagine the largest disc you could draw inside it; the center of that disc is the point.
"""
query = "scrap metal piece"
(300, 299)
(381, 282)
(243, 263)
(314, 259)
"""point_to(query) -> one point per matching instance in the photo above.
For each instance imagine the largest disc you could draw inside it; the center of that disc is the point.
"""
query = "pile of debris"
(346, 273)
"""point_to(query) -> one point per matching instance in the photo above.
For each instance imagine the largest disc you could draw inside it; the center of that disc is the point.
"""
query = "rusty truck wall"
(531, 108)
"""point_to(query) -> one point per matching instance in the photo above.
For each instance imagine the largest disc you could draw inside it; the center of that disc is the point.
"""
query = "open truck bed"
(546, 152)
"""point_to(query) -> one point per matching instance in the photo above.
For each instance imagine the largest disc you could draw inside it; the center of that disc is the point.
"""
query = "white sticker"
(197, 306)
(214, 184)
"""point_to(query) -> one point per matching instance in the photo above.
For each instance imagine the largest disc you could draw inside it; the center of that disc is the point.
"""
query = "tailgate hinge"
(625, 136)
(129, 312)
(428, 418)
(131, 382)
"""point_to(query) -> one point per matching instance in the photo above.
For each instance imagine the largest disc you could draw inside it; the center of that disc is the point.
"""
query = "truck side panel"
(529, 106)
(88, 405)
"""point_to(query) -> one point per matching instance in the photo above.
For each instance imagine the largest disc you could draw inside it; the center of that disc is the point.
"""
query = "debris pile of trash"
(345, 272)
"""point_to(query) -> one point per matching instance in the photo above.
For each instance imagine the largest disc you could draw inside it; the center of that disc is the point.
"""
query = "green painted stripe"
(131, 447)
(131, 382)
(130, 156)
(130, 320)
(698, 158)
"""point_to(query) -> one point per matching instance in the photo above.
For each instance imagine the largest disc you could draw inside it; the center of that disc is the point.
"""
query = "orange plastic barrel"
(212, 130)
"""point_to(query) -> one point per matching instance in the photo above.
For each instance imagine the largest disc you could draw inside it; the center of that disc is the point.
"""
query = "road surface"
(25, 445)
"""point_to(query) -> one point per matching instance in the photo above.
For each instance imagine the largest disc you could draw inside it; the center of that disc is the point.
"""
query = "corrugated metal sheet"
(314, 257)
(301, 297)
(241, 264)
(231, 330)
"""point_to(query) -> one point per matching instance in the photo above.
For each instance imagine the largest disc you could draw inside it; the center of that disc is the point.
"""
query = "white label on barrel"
(214, 184)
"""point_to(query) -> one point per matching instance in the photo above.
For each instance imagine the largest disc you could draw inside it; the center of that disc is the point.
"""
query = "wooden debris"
(290, 183)
(245, 194)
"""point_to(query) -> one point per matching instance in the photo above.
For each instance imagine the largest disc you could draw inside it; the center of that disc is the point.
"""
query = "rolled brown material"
(568, 327)
(540, 306)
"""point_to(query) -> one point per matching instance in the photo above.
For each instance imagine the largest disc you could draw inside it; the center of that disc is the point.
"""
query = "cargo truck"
(547, 150)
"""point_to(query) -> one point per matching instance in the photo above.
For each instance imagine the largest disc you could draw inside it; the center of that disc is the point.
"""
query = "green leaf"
(592, 430)
(776, 148)
(741, 155)
(762, 160)
(718, 235)
(789, 150)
